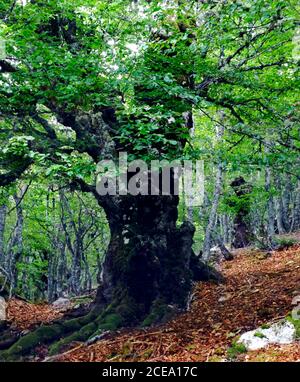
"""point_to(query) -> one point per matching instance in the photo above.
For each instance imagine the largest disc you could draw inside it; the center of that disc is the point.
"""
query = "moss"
(83, 334)
(81, 327)
(24, 345)
(73, 324)
(215, 358)
(259, 335)
(129, 311)
(82, 300)
(107, 322)
(104, 322)
(159, 313)
(285, 242)
(111, 322)
(296, 323)
(265, 326)
(236, 349)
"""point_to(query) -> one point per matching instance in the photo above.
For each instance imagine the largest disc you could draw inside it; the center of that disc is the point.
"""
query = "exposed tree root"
(46, 334)
(8, 336)
(65, 331)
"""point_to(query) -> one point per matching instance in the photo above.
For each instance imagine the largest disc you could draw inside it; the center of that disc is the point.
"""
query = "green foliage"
(296, 323)
(149, 64)
(259, 334)
(36, 271)
(159, 312)
(265, 326)
(236, 349)
(113, 60)
(18, 146)
(285, 242)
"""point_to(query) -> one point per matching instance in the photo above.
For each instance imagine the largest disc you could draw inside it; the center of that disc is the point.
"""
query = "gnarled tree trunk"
(148, 259)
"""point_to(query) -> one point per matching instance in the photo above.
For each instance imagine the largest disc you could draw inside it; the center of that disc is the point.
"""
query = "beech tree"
(84, 80)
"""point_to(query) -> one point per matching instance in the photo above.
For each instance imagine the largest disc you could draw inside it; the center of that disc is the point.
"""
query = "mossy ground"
(235, 350)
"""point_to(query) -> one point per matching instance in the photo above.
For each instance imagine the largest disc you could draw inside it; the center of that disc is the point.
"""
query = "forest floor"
(258, 289)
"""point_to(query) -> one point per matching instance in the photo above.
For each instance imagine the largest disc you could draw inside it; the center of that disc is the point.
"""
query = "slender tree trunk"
(24, 279)
(54, 275)
(279, 207)
(15, 246)
(226, 228)
(296, 210)
(242, 229)
(213, 213)
(270, 204)
(286, 200)
(215, 203)
(87, 286)
(3, 212)
(61, 270)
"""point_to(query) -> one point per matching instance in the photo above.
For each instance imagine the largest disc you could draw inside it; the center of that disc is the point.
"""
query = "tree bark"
(242, 230)
(148, 258)
(295, 223)
(216, 197)
(270, 204)
(279, 206)
(286, 200)
(3, 212)
(15, 245)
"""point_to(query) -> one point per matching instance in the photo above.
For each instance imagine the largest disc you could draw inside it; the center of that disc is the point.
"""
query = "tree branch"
(13, 175)
(6, 67)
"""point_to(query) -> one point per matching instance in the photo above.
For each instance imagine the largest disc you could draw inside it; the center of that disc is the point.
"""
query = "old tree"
(84, 80)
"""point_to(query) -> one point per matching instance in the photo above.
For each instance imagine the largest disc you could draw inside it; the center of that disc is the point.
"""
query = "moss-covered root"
(111, 321)
(46, 334)
(160, 312)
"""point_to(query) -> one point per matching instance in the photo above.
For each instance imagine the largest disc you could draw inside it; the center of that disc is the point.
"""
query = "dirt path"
(256, 291)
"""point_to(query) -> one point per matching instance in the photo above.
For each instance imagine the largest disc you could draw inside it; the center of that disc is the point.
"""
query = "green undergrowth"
(236, 349)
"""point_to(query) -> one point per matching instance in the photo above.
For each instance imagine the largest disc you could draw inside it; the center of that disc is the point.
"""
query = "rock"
(283, 332)
(2, 309)
(62, 304)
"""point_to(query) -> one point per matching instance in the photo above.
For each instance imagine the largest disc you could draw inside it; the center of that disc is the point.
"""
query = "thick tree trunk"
(148, 259)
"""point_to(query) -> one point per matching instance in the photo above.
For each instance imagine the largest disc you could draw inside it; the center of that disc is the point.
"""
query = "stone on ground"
(282, 332)
(62, 304)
